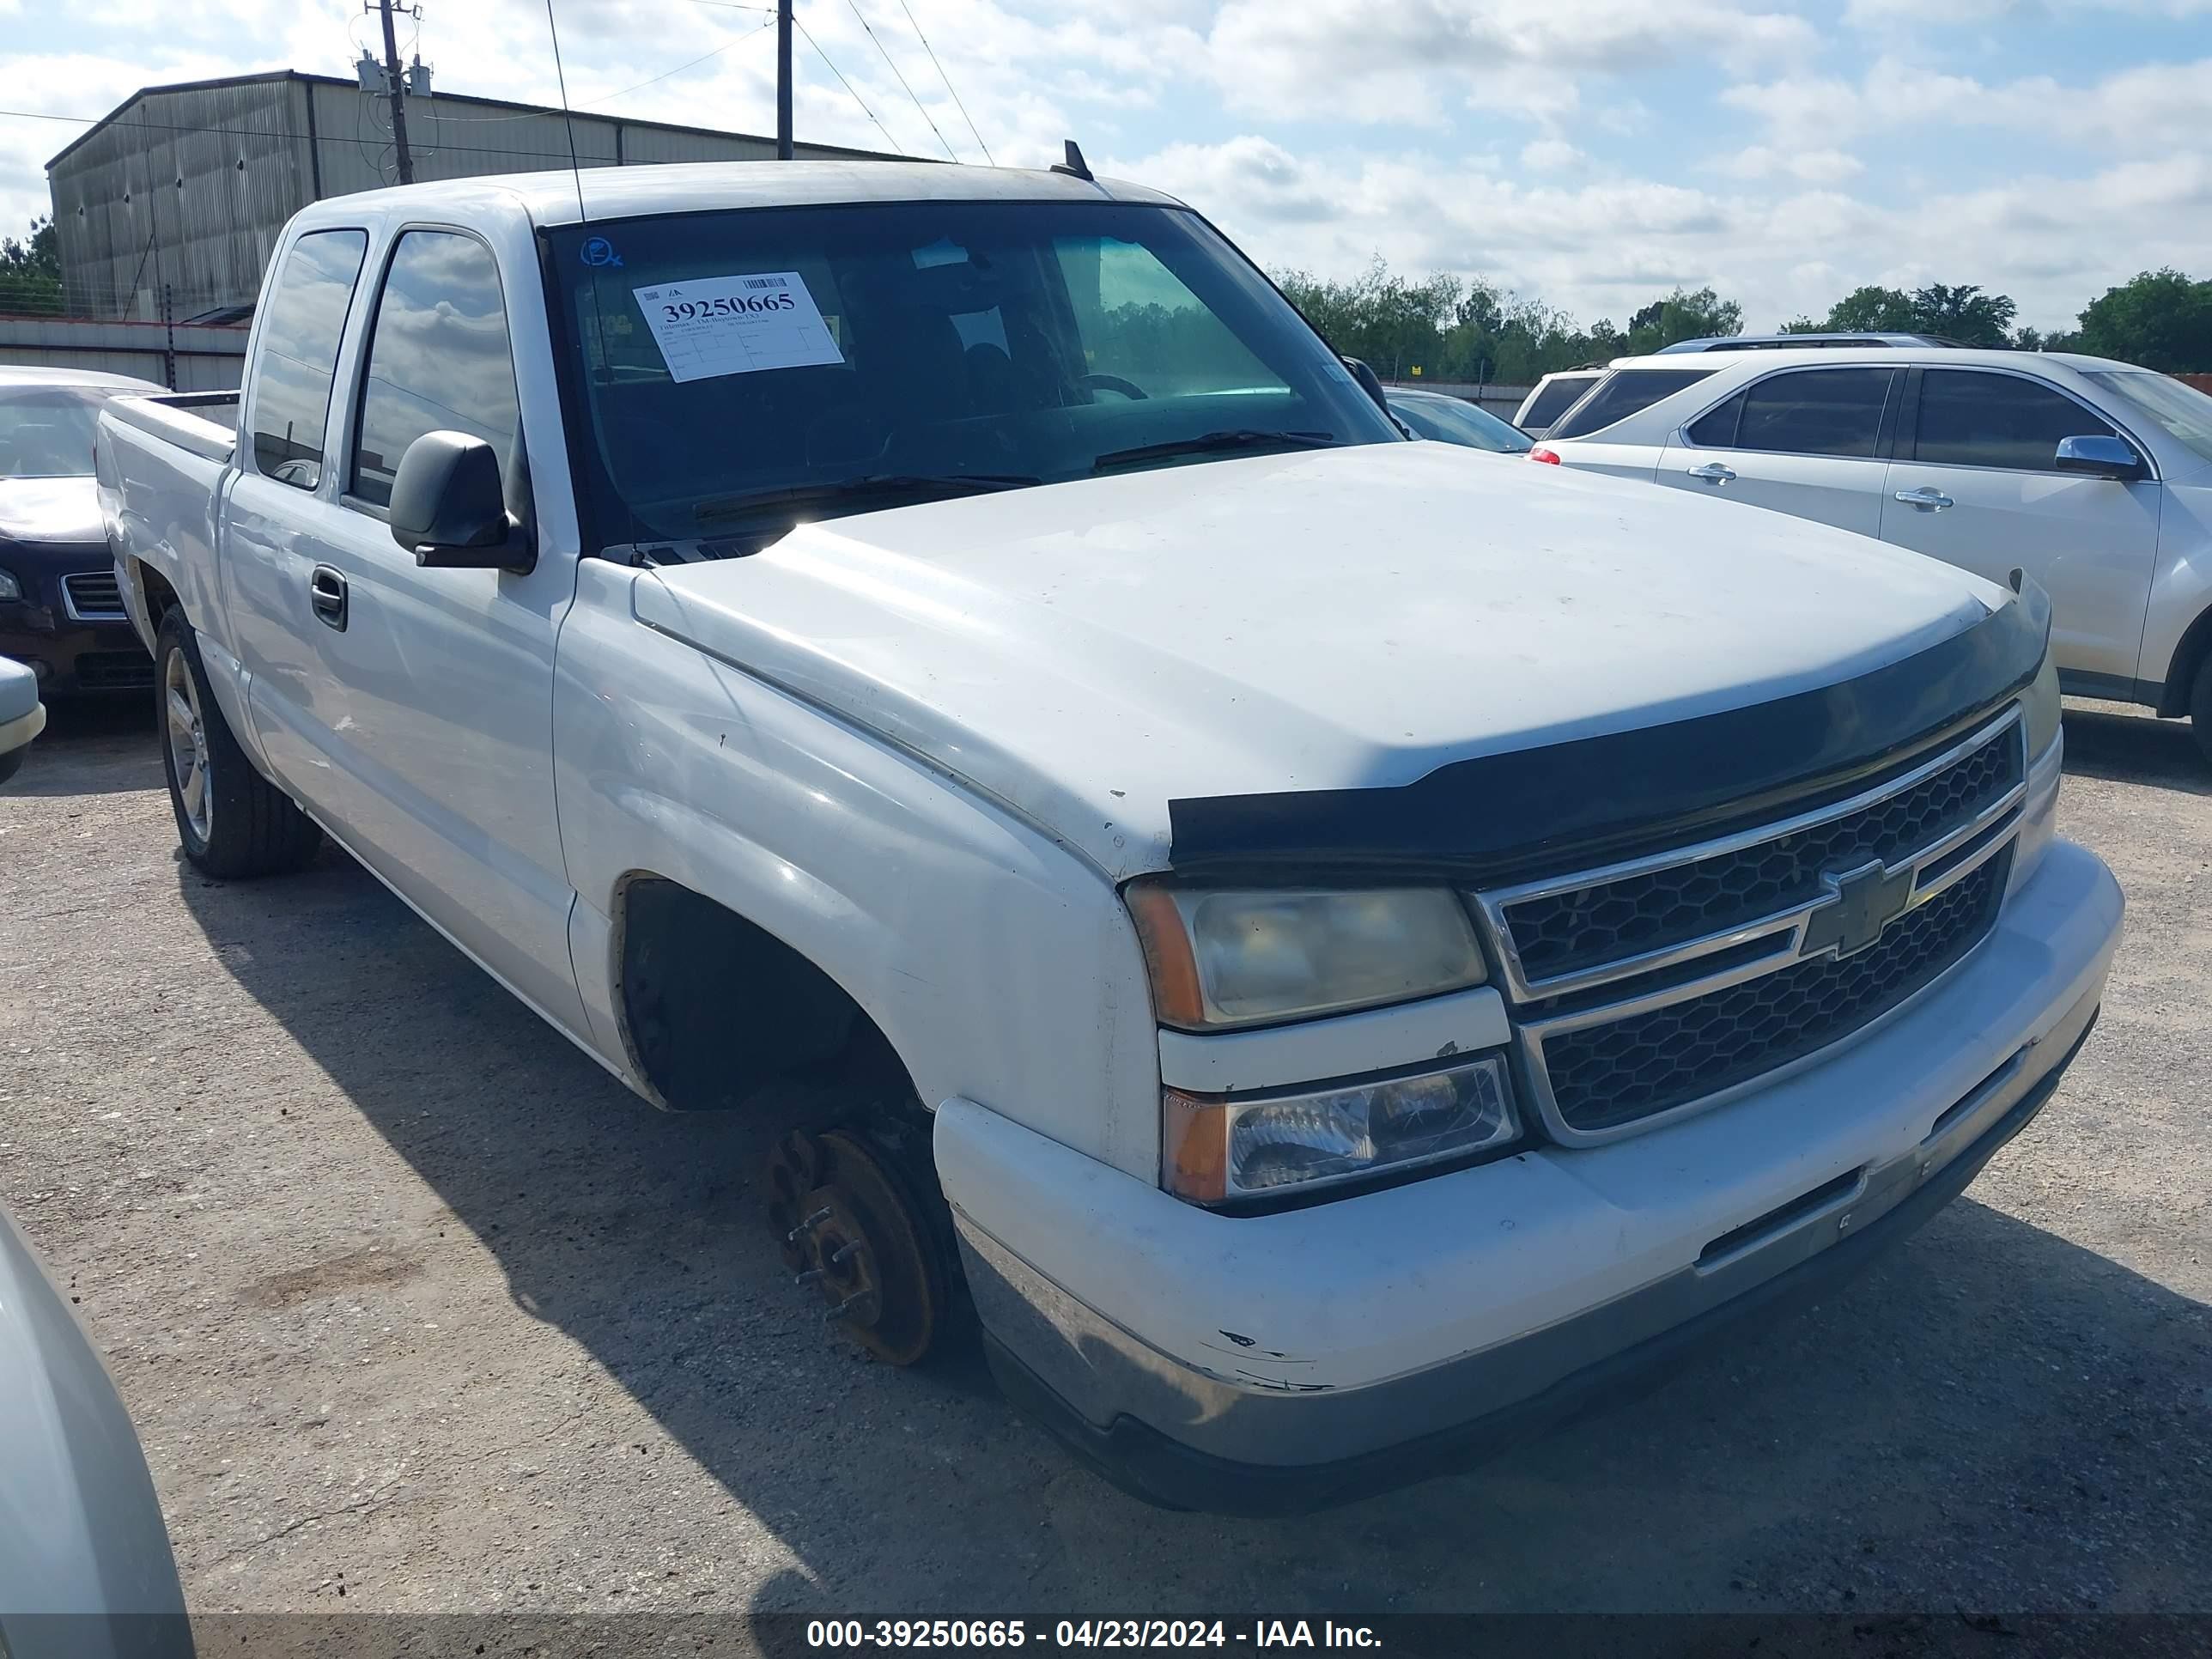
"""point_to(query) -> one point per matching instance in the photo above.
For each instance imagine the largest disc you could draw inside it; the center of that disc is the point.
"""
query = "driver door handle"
(326, 593)
(1712, 472)
(1929, 500)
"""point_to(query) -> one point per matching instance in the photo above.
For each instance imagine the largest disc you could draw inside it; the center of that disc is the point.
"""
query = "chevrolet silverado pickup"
(1331, 958)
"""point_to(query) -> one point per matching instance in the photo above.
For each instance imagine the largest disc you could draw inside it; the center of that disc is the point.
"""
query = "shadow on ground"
(79, 753)
(1994, 1417)
(2135, 747)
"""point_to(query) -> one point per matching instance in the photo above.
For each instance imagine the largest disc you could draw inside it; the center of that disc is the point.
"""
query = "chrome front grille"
(1657, 986)
(92, 596)
(1619, 1071)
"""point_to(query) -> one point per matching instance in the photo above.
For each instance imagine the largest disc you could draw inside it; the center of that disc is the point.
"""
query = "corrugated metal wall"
(190, 186)
(185, 188)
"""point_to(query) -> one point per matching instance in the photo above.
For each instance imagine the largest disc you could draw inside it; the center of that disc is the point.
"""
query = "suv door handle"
(1929, 500)
(1712, 472)
(326, 593)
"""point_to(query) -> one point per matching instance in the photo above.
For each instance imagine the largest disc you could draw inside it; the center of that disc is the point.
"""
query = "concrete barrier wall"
(207, 358)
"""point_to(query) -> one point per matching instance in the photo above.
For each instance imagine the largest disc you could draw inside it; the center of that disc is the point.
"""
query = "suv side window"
(1556, 397)
(1970, 419)
(1808, 411)
(1621, 394)
(296, 357)
(438, 360)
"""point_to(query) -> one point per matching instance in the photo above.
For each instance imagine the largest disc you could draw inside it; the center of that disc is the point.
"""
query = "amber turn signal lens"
(1195, 1153)
(1160, 930)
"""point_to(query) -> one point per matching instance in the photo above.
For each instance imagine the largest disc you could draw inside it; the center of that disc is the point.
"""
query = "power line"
(735, 40)
(918, 104)
(947, 79)
(847, 85)
(537, 155)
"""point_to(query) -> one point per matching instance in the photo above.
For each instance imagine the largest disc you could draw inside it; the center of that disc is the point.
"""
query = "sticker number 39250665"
(736, 325)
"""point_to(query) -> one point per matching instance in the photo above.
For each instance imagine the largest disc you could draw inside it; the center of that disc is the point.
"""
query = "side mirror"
(448, 507)
(2100, 457)
(1370, 383)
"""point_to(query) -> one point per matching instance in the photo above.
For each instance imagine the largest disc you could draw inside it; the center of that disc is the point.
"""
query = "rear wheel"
(2200, 707)
(231, 820)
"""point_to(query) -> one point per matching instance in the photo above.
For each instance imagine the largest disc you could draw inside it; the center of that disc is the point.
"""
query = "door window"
(296, 356)
(439, 359)
(1816, 411)
(1969, 419)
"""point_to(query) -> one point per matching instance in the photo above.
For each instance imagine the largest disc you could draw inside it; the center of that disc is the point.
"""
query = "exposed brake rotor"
(850, 1226)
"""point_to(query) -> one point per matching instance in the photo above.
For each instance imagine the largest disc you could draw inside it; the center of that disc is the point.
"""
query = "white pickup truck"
(1341, 953)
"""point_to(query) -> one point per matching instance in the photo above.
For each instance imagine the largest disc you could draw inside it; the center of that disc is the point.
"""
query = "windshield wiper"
(1208, 443)
(861, 488)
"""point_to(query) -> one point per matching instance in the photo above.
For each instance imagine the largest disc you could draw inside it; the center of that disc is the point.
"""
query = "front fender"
(1001, 967)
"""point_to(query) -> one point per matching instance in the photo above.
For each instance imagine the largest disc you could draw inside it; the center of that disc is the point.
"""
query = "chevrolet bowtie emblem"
(1865, 901)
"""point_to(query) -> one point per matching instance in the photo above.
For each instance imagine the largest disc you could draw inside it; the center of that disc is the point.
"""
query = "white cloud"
(1419, 61)
(1811, 167)
(1550, 155)
(1609, 244)
(2152, 106)
(1593, 151)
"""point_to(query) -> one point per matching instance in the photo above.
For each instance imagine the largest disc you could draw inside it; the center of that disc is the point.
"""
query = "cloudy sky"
(1592, 152)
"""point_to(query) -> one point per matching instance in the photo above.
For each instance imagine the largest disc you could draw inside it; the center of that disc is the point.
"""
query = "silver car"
(85, 1567)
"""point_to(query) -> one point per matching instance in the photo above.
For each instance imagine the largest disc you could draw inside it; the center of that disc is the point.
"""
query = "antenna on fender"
(1074, 166)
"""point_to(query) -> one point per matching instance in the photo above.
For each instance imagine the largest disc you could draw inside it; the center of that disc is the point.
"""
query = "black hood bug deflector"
(1617, 795)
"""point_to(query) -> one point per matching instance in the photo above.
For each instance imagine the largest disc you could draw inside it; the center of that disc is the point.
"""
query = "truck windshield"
(741, 371)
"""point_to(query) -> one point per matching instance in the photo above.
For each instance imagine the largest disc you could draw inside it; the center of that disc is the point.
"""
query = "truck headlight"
(2046, 752)
(1219, 1150)
(1223, 956)
(10, 588)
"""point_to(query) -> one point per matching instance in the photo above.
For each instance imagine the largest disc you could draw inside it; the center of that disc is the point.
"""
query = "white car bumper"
(1276, 1362)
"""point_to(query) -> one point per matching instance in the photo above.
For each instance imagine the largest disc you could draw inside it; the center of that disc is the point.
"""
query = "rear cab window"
(1621, 394)
(1808, 411)
(295, 355)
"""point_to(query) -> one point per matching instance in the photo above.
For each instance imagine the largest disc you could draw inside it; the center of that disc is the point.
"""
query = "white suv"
(2094, 476)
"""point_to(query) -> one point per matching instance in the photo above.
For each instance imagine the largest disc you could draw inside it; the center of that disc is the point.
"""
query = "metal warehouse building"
(181, 189)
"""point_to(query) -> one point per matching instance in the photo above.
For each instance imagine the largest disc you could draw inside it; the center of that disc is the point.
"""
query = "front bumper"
(1270, 1364)
(74, 652)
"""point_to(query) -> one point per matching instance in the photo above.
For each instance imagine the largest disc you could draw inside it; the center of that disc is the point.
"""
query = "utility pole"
(782, 80)
(396, 86)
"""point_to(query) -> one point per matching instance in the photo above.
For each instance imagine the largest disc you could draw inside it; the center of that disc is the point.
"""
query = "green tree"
(31, 270)
(1871, 309)
(1683, 315)
(1460, 329)
(2161, 319)
(1964, 314)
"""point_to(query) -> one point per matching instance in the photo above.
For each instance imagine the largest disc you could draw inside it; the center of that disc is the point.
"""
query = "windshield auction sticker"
(736, 325)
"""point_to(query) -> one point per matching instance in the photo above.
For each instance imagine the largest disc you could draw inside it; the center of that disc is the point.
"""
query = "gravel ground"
(416, 1308)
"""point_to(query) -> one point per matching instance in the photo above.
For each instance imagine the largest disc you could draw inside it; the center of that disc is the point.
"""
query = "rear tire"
(231, 821)
(2200, 708)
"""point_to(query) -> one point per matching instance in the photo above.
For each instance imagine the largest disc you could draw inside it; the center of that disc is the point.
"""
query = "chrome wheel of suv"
(188, 743)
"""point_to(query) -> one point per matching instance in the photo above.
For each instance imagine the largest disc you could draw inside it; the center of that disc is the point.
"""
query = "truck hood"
(50, 510)
(1082, 654)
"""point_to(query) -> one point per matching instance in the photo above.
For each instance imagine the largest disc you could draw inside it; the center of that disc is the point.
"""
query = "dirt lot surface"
(416, 1307)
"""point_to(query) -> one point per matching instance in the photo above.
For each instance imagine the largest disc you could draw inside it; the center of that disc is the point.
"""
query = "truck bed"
(160, 463)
